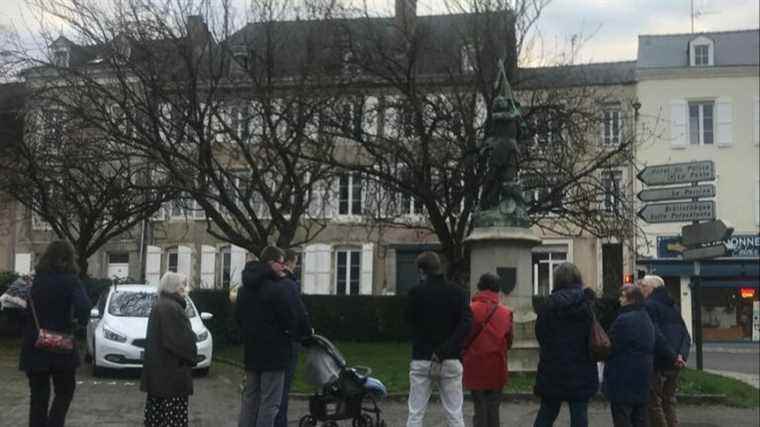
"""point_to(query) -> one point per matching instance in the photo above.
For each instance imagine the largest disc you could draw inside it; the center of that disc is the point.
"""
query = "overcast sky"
(609, 27)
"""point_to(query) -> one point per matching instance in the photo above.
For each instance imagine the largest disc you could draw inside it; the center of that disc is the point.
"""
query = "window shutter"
(369, 116)
(184, 262)
(23, 263)
(153, 265)
(317, 269)
(331, 198)
(237, 264)
(208, 262)
(391, 117)
(725, 113)
(368, 261)
(756, 120)
(309, 270)
(678, 130)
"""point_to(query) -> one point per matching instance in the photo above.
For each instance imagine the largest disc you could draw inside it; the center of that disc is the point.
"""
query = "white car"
(118, 325)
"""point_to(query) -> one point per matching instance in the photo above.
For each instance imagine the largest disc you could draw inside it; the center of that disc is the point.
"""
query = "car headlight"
(203, 336)
(113, 336)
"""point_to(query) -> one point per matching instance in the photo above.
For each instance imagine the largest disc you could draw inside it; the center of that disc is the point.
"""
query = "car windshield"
(138, 304)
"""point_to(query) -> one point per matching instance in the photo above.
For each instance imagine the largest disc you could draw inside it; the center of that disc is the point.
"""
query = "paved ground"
(117, 401)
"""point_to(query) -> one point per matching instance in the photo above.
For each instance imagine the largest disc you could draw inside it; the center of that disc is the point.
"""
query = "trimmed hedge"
(345, 318)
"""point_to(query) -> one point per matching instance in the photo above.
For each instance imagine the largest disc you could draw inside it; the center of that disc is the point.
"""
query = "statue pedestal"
(506, 252)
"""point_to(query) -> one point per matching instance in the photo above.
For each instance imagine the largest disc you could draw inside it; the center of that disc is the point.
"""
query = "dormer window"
(701, 52)
(61, 57)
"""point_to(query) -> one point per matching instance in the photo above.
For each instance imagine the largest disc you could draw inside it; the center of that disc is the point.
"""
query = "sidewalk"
(753, 380)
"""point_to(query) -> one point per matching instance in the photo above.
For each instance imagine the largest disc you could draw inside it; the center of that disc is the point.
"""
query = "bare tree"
(72, 182)
(221, 118)
(430, 94)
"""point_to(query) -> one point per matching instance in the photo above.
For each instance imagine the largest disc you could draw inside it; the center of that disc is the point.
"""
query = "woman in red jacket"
(485, 355)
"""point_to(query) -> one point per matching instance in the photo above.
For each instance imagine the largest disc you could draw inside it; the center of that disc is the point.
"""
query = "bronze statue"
(502, 202)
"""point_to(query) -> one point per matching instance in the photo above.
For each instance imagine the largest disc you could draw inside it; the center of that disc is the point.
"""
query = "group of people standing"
(457, 343)
(464, 346)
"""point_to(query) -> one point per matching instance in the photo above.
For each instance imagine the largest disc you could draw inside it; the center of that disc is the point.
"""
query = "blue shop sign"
(739, 246)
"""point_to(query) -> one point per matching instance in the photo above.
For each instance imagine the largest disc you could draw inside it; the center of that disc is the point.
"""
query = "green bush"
(223, 327)
(346, 318)
(358, 317)
(95, 287)
(6, 278)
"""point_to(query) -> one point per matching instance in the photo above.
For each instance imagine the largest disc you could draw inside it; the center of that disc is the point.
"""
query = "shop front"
(730, 287)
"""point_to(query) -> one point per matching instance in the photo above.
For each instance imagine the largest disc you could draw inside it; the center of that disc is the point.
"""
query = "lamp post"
(631, 176)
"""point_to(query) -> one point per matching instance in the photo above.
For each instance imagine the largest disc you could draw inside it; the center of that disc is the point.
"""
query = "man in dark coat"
(266, 315)
(671, 352)
(439, 315)
(566, 372)
(627, 370)
(303, 330)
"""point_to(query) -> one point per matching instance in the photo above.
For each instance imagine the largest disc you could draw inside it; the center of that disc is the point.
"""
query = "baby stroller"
(342, 393)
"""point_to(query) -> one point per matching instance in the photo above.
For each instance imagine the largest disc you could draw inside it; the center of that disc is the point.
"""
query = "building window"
(409, 205)
(347, 271)
(350, 194)
(225, 268)
(61, 57)
(612, 185)
(469, 58)
(727, 313)
(172, 260)
(545, 259)
(613, 127)
(701, 130)
(39, 224)
(702, 54)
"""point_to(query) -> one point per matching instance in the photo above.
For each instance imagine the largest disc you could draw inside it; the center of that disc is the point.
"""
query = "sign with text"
(676, 193)
(706, 232)
(705, 253)
(678, 212)
(739, 245)
(678, 173)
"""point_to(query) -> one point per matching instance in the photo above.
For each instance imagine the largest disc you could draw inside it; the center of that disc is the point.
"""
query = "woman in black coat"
(56, 294)
(566, 372)
(627, 370)
(170, 354)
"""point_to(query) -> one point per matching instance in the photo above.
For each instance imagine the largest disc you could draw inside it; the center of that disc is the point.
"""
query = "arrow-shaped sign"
(705, 253)
(678, 212)
(676, 193)
(706, 232)
(678, 173)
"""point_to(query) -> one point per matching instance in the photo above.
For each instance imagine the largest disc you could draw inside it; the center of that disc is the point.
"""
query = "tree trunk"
(82, 264)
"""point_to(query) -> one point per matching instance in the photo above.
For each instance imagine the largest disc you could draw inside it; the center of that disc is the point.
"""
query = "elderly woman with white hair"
(170, 355)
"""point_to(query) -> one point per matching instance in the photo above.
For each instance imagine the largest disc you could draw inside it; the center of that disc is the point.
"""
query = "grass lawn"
(390, 364)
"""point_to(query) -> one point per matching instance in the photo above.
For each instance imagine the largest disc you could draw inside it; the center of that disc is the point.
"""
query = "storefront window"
(727, 313)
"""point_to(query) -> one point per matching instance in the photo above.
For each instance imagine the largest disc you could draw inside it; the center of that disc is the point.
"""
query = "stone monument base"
(506, 252)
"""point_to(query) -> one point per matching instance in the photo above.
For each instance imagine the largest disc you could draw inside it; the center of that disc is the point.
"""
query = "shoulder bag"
(599, 343)
(482, 327)
(55, 342)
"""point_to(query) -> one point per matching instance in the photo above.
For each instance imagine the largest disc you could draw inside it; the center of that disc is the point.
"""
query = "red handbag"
(52, 341)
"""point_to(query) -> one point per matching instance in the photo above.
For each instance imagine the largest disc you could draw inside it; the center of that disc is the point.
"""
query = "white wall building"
(699, 94)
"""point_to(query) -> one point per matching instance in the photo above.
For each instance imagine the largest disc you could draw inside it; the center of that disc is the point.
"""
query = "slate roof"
(732, 48)
(592, 74)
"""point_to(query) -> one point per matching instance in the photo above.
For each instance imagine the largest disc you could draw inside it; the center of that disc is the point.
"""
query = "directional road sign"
(706, 232)
(676, 193)
(678, 212)
(705, 253)
(678, 173)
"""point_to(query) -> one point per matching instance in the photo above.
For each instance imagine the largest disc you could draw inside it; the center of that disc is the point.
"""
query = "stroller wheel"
(363, 421)
(307, 421)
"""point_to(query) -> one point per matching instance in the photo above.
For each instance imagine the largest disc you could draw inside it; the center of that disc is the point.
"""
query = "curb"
(685, 399)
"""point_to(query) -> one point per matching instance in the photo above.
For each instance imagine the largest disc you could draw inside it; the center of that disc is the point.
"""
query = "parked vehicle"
(118, 324)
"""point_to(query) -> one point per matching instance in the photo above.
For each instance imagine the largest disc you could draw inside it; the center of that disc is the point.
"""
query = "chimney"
(406, 14)
(195, 25)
